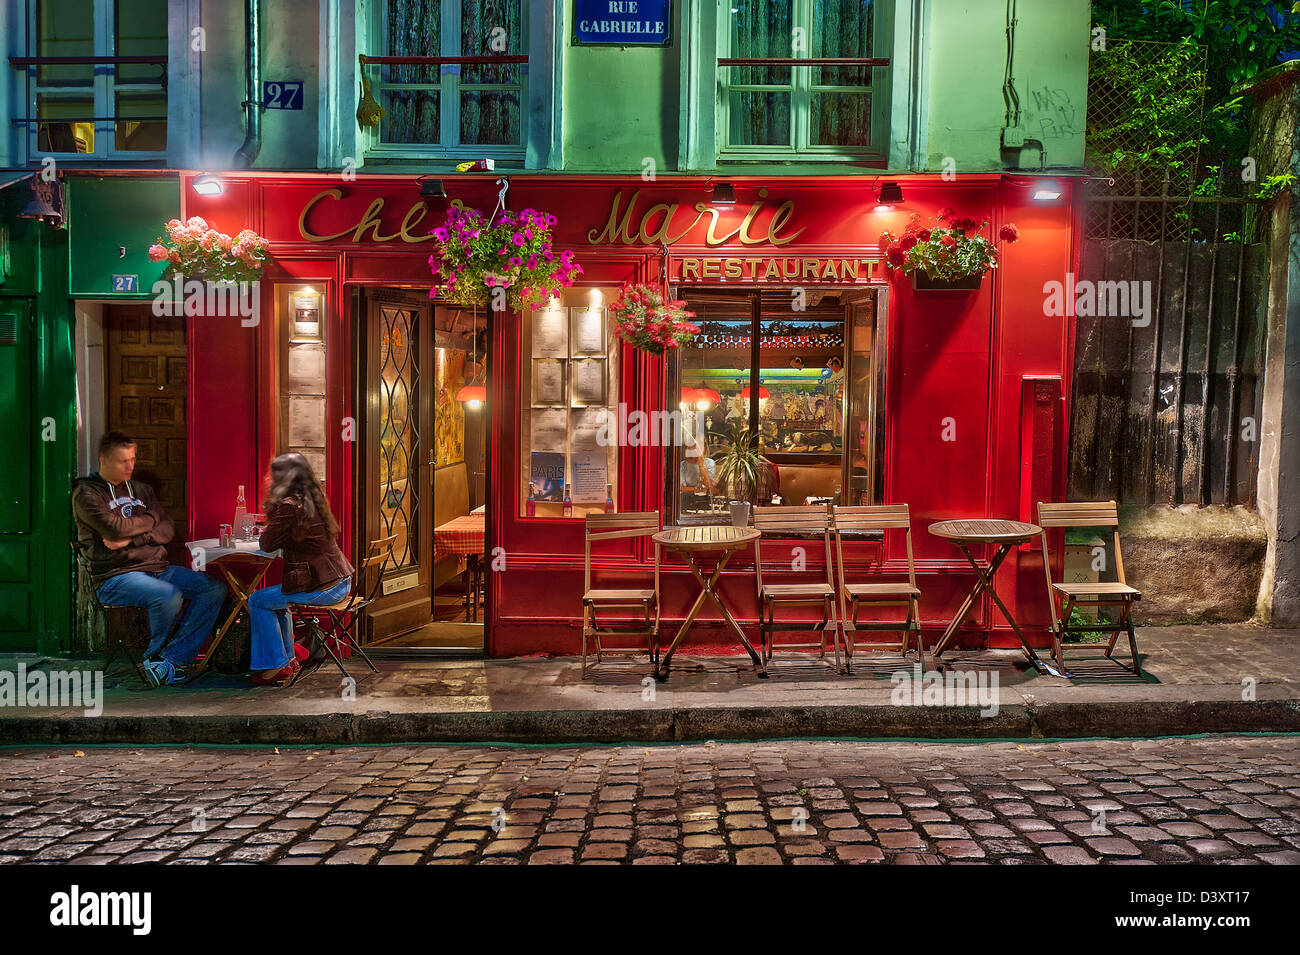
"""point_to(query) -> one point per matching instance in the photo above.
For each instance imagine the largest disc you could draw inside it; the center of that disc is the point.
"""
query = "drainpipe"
(247, 153)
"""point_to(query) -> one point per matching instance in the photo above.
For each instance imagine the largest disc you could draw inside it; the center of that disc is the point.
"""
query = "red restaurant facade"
(966, 392)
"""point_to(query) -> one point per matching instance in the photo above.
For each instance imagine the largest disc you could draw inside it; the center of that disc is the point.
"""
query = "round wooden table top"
(706, 537)
(985, 531)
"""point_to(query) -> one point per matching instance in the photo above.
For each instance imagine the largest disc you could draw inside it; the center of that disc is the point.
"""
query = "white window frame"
(103, 89)
(800, 89)
(449, 90)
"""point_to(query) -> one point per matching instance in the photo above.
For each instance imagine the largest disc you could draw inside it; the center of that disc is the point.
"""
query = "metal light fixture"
(208, 185)
(724, 194)
(472, 393)
(432, 189)
(1047, 190)
(891, 194)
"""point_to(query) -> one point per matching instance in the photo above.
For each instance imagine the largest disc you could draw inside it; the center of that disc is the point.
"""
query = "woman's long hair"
(292, 476)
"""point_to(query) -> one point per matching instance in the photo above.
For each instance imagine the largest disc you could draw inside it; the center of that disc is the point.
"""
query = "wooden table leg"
(950, 633)
(759, 667)
(708, 591)
(241, 603)
(661, 672)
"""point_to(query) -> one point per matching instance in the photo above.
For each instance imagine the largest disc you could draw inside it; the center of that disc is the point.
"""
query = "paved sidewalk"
(1197, 679)
(1220, 800)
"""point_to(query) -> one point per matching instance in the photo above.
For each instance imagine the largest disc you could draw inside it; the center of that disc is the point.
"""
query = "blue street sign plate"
(623, 22)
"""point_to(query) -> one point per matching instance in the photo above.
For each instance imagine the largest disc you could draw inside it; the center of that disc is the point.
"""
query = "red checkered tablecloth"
(462, 535)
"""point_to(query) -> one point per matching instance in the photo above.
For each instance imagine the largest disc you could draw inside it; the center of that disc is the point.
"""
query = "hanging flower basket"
(646, 320)
(951, 256)
(195, 250)
(512, 252)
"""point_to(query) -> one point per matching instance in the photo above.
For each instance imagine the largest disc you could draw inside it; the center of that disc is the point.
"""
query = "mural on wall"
(449, 414)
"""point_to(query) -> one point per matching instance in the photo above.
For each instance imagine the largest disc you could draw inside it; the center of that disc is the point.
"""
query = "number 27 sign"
(282, 94)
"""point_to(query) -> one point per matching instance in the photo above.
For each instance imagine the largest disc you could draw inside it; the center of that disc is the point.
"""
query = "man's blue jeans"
(273, 625)
(163, 594)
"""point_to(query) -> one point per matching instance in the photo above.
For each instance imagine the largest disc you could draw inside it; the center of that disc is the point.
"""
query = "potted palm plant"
(738, 474)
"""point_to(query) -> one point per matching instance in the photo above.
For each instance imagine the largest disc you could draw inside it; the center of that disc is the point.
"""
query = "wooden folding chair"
(1114, 593)
(116, 637)
(853, 596)
(605, 527)
(334, 624)
(805, 521)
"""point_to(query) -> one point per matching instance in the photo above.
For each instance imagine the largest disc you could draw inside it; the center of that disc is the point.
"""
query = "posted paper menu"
(588, 381)
(589, 331)
(587, 424)
(590, 476)
(549, 429)
(548, 381)
(550, 334)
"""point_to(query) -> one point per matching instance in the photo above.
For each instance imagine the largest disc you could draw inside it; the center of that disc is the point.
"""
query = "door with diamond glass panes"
(395, 351)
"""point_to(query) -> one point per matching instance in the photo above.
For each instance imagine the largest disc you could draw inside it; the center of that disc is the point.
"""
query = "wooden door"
(146, 361)
(394, 495)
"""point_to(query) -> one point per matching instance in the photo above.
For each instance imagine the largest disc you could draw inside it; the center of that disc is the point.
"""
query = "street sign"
(622, 22)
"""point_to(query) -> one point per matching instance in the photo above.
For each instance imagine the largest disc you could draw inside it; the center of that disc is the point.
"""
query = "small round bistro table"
(209, 552)
(719, 541)
(1004, 534)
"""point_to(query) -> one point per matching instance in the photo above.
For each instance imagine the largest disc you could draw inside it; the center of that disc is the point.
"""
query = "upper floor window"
(802, 77)
(97, 79)
(442, 93)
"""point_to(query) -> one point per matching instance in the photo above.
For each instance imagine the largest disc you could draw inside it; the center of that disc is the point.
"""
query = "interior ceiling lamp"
(763, 393)
(706, 398)
(473, 393)
(432, 189)
(891, 194)
(208, 185)
(724, 194)
(689, 397)
(1047, 190)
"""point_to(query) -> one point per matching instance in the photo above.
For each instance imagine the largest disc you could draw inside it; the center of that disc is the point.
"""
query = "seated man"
(122, 530)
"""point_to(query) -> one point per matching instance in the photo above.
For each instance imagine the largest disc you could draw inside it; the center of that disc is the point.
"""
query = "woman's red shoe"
(281, 677)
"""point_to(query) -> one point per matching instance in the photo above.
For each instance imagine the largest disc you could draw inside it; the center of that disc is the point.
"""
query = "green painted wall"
(620, 105)
(965, 63)
(112, 221)
(39, 435)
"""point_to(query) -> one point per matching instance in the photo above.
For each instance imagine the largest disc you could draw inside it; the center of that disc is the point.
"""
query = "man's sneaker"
(162, 673)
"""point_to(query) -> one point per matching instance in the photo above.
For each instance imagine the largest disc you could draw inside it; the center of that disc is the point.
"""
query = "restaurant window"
(300, 333)
(812, 406)
(570, 431)
(102, 110)
(434, 109)
(768, 106)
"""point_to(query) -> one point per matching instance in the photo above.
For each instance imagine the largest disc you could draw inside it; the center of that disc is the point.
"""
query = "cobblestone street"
(1213, 800)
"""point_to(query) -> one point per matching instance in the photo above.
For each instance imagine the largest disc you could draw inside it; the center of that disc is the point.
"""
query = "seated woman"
(298, 521)
(695, 477)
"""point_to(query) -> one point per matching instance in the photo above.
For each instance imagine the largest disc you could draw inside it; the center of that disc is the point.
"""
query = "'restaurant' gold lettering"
(829, 271)
(849, 268)
(711, 269)
(690, 268)
(732, 268)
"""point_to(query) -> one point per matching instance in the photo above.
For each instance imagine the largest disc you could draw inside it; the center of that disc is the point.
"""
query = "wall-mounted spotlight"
(724, 194)
(208, 185)
(1047, 190)
(891, 194)
(432, 189)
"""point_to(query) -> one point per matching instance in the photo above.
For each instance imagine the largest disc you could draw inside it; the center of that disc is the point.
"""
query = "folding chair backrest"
(778, 521)
(370, 575)
(872, 517)
(605, 527)
(1081, 514)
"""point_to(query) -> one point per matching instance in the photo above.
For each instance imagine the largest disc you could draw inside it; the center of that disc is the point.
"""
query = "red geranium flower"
(895, 257)
(908, 243)
(1009, 233)
(924, 235)
(948, 241)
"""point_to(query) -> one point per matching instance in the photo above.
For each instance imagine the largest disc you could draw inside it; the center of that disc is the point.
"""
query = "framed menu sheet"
(588, 387)
(548, 381)
(549, 427)
(587, 426)
(550, 333)
(588, 331)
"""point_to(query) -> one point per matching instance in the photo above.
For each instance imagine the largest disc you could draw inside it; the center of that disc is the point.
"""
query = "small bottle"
(530, 509)
(609, 499)
(567, 508)
(241, 510)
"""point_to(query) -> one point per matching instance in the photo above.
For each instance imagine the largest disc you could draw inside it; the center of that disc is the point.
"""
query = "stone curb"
(1035, 721)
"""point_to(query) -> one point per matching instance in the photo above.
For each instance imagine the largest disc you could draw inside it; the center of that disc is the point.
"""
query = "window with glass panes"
(803, 76)
(86, 104)
(434, 108)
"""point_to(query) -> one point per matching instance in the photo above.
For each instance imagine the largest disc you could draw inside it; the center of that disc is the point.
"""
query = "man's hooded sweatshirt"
(117, 512)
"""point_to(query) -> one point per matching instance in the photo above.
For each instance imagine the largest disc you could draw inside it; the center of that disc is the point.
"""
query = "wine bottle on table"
(241, 510)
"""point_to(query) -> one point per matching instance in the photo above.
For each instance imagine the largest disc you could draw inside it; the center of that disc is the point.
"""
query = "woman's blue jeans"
(273, 625)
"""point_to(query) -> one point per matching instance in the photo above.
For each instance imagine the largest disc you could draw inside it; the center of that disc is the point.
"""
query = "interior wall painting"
(449, 414)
